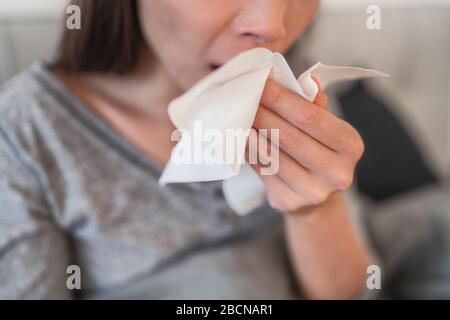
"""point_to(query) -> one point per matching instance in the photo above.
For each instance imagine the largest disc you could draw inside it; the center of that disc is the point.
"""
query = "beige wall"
(413, 46)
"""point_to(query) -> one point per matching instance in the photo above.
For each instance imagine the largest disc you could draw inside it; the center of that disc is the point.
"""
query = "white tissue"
(228, 98)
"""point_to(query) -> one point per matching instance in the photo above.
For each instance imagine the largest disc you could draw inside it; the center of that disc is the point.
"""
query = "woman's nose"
(261, 21)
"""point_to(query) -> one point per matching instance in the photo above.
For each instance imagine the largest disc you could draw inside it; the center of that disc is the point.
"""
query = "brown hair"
(108, 41)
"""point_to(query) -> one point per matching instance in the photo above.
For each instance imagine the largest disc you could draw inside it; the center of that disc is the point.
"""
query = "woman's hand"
(318, 152)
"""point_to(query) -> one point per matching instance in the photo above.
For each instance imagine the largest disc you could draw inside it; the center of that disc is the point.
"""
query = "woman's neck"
(135, 104)
(146, 91)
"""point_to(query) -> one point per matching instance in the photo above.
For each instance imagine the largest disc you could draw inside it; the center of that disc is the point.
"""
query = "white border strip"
(52, 9)
(357, 4)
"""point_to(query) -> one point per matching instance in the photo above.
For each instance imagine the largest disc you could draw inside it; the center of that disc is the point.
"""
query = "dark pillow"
(392, 163)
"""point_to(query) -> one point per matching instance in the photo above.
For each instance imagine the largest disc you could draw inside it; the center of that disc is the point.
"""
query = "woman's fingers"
(312, 188)
(297, 144)
(321, 99)
(315, 151)
(279, 194)
(317, 122)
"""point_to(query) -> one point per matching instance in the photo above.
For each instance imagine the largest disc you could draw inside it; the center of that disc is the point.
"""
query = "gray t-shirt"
(75, 192)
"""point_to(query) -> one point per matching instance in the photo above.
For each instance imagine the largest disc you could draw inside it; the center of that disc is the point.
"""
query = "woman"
(83, 142)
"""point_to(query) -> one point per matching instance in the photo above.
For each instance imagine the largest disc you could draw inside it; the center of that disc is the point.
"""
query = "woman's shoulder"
(28, 101)
(30, 111)
(23, 94)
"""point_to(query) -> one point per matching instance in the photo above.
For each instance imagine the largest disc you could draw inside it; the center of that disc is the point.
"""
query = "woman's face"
(193, 37)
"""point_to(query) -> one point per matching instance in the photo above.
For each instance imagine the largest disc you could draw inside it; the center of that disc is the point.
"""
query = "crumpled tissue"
(228, 99)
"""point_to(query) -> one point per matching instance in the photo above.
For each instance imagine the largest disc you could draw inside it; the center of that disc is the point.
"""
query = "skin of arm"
(329, 260)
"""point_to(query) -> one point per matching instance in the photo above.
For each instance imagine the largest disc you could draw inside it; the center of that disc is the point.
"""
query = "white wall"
(353, 4)
(31, 9)
(29, 30)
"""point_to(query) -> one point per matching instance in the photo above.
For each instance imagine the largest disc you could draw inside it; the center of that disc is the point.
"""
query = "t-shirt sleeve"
(34, 252)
